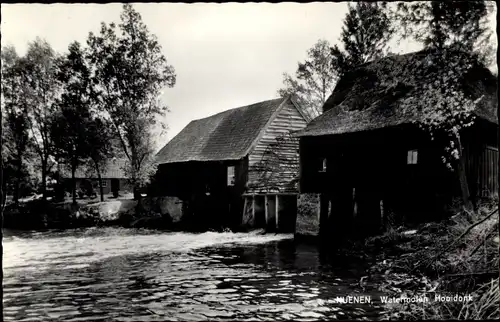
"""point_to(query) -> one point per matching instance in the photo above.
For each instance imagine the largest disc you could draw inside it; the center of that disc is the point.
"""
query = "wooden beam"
(253, 209)
(244, 211)
(266, 210)
(323, 215)
(277, 208)
(382, 214)
(273, 193)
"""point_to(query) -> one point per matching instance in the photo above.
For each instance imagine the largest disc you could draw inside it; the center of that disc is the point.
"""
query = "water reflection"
(180, 277)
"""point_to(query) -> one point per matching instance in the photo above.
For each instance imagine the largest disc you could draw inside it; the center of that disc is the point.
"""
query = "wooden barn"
(372, 164)
(114, 179)
(238, 167)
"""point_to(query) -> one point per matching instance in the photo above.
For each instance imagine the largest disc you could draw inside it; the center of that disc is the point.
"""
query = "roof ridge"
(236, 108)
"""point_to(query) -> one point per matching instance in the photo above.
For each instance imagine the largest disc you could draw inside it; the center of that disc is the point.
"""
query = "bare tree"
(279, 167)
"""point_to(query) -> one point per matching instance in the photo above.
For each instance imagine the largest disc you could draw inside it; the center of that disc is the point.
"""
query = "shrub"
(307, 215)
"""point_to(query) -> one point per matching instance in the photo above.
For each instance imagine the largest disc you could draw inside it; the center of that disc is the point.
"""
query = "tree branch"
(465, 233)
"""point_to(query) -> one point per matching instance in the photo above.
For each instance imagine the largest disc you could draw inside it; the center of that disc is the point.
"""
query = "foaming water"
(94, 244)
(113, 274)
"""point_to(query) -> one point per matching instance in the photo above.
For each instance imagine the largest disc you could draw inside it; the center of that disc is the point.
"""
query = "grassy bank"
(161, 213)
(39, 214)
(458, 256)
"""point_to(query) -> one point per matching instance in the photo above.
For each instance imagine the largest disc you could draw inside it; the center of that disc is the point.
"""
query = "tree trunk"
(44, 179)
(462, 176)
(73, 182)
(498, 173)
(18, 181)
(2, 190)
(101, 190)
(324, 200)
(137, 193)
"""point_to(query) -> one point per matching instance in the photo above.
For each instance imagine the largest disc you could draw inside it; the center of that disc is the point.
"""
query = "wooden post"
(277, 208)
(265, 209)
(464, 185)
(244, 212)
(382, 214)
(355, 207)
(253, 209)
(323, 215)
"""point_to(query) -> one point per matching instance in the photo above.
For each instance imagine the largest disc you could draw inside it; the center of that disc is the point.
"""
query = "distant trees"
(366, 31)
(99, 138)
(129, 72)
(444, 24)
(29, 90)
(73, 108)
(365, 34)
(70, 121)
(41, 91)
(15, 119)
(314, 79)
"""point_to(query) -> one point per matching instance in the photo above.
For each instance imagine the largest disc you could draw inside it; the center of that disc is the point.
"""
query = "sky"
(225, 55)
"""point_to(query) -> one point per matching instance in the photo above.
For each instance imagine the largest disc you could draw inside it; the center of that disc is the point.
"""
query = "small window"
(230, 176)
(322, 165)
(412, 156)
(96, 183)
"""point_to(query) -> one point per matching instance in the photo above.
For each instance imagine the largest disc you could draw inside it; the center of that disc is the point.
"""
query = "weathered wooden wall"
(284, 163)
(203, 186)
(481, 151)
(488, 172)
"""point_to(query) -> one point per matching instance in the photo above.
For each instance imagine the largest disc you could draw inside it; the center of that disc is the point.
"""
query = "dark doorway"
(260, 212)
(115, 187)
(271, 213)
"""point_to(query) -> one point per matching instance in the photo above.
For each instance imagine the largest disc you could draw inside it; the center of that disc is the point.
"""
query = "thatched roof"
(114, 169)
(228, 135)
(361, 101)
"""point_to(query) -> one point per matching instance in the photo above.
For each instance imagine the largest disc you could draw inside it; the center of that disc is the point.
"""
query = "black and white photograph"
(285, 161)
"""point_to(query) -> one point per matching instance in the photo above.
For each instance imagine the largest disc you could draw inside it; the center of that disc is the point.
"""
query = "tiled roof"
(113, 169)
(223, 136)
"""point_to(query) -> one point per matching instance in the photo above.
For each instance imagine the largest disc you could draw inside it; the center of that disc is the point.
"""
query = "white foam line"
(83, 250)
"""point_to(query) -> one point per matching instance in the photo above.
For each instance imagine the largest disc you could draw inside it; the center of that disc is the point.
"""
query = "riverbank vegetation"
(156, 213)
(457, 256)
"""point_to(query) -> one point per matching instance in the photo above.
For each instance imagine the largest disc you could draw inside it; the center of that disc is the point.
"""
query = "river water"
(110, 274)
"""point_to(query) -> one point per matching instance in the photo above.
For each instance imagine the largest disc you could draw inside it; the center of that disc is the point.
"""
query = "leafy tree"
(440, 24)
(99, 137)
(452, 33)
(130, 72)
(146, 150)
(314, 79)
(41, 91)
(4, 152)
(14, 107)
(365, 35)
(69, 127)
(366, 31)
